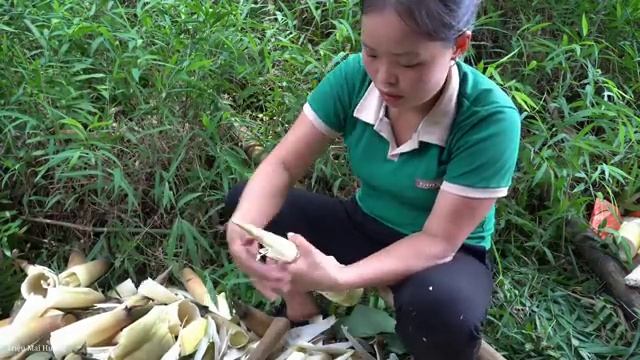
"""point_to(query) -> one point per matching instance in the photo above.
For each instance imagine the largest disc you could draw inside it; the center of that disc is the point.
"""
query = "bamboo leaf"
(585, 25)
(365, 321)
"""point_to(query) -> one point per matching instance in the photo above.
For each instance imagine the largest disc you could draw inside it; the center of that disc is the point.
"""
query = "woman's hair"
(438, 20)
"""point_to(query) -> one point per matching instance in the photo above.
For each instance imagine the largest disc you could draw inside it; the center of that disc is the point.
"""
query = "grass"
(115, 121)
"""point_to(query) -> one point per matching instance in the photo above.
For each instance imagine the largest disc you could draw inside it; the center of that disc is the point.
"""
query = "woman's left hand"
(312, 271)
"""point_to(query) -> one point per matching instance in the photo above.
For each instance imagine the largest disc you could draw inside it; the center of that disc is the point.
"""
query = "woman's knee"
(440, 316)
(232, 198)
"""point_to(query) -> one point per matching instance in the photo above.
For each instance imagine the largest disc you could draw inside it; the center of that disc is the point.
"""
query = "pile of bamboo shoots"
(66, 316)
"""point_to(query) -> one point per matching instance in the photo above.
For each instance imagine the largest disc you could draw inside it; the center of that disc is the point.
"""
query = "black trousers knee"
(439, 311)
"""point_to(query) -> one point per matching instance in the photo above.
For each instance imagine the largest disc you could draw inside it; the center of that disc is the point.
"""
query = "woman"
(433, 143)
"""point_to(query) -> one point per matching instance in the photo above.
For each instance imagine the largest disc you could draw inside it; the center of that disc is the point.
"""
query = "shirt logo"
(428, 184)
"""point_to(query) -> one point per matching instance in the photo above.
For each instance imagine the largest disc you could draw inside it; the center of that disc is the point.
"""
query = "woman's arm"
(452, 219)
(265, 191)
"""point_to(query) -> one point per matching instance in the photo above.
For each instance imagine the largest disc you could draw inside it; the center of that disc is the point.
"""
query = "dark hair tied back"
(438, 20)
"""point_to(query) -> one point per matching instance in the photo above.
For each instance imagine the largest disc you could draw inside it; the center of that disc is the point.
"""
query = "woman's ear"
(461, 44)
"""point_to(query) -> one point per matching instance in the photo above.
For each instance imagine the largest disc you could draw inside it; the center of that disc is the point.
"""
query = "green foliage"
(115, 116)
(366, 321)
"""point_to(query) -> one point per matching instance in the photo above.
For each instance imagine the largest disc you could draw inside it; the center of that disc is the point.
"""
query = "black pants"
(439, 311)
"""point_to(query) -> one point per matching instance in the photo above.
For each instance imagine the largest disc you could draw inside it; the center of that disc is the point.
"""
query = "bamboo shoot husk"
(38, 281)
(191, 335)
(157, 292)
(17, 336)
(236, 336)
(33, 307)
(182, 313)
(123, 290)
(147, 338)
(85, 274)
(96, 330)
(64, 297)
(5, 322)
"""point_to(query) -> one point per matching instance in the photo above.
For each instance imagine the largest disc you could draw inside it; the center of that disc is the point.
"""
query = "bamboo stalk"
(608, 268)
(254, 150)
(93, 229)
(257, 321)
(272, 339)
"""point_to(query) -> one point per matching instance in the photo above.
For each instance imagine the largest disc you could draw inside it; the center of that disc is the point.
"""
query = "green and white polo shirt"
(468, 145)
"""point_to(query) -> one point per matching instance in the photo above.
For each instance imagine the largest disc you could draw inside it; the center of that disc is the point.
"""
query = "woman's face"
(407, 69)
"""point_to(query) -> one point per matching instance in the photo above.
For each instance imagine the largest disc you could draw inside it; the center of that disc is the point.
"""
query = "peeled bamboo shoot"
(282, 249)
(277, 247)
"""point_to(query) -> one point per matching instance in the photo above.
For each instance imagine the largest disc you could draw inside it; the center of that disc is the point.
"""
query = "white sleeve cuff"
(315, 119)
(479, 193)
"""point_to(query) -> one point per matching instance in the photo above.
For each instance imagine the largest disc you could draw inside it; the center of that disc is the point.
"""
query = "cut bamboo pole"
(272, 339)
(608, 268)
(254, 150)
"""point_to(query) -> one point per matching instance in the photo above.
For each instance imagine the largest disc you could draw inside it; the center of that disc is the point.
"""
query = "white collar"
(435, 126)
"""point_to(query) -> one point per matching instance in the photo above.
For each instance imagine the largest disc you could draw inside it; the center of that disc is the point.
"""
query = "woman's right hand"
(244, 249)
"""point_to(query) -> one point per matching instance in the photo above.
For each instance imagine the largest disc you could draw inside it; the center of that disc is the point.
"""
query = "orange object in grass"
(607, 213)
